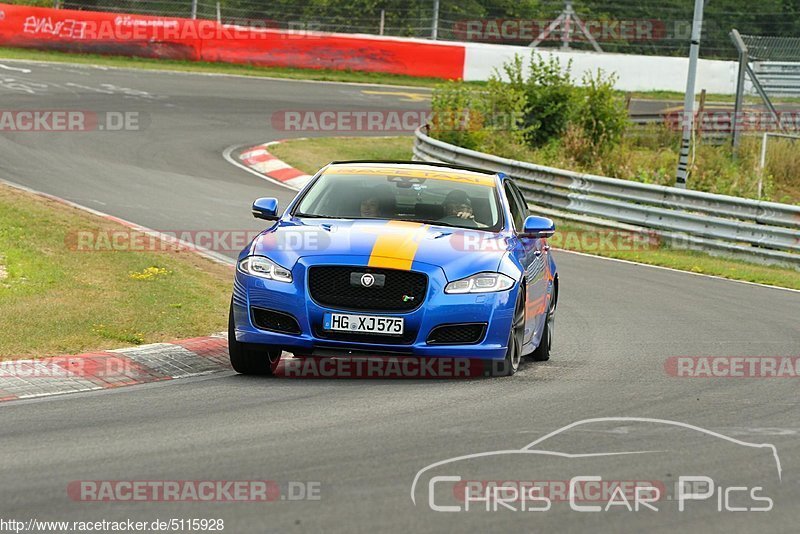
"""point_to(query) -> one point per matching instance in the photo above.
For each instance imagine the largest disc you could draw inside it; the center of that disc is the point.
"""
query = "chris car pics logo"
(461, 484)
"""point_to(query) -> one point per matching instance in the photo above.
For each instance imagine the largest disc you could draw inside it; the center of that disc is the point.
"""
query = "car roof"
(418, 169)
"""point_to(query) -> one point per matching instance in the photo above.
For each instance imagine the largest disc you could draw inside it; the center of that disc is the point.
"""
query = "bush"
(457, 115)
(535, 108)
(601, 112)
(540, 116)
(549, 96)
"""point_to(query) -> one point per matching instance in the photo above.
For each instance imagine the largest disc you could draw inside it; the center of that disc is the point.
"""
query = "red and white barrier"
(205, 40)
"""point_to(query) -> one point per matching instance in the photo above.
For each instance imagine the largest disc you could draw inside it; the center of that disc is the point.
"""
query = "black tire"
(542, 352)
(249, 359)
(516, 337)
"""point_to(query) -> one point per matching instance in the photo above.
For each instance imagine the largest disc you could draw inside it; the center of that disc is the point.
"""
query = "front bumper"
(494, 309)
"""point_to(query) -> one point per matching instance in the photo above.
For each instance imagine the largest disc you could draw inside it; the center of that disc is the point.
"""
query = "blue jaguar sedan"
(396, 258)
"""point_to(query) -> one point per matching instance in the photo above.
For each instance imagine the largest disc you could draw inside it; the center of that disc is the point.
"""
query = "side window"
(517, 213)
(521, 199)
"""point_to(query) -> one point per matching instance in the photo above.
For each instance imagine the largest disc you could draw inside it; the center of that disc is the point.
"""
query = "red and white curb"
(259, 159)
(26, 379)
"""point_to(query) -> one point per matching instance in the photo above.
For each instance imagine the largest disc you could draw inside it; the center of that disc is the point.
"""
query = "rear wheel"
(542, 352)
(510, 364)
(250, 359)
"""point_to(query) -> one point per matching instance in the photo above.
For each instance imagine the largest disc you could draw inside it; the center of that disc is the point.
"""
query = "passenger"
(370, 207)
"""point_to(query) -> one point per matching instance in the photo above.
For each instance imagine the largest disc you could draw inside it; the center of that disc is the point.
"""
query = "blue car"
(396, 258)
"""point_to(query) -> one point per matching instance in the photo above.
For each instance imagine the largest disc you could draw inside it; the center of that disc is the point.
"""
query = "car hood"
(386, 244)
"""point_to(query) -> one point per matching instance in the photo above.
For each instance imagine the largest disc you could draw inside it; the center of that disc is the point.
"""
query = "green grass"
(218, 68)
(57, 300)
(683, 260)
(710, 97)
(309, 155)
(312, 154)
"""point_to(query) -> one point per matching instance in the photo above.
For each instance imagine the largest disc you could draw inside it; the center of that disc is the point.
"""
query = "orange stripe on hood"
(397, 245)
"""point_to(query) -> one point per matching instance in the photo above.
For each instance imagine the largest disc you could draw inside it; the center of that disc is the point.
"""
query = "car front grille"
(333, 286)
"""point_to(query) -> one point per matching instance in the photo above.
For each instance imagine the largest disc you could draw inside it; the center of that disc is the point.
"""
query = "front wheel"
(249, 359)
(542, 352)
(510, 364)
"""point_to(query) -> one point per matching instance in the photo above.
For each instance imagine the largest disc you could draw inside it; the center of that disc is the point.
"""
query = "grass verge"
(309, 155)
(56, 300)
(711, 98)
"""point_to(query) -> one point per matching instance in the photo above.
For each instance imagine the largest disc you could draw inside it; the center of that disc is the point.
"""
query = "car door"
(536, 266)
(524, 251)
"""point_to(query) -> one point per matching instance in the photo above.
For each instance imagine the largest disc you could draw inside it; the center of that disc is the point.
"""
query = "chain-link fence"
(775, 63)
(629, 26)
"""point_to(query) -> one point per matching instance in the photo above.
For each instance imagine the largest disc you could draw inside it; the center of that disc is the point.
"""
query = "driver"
(458, 204)
(458, 210)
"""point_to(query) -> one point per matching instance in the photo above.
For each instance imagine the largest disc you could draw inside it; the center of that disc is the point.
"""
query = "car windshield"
(458, 199)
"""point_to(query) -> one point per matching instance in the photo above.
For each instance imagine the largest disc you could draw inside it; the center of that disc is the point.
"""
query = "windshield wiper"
(431, 222)
(315, 216)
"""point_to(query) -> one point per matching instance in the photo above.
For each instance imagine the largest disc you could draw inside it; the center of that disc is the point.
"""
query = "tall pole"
(194, 9)
(383, 21)
(435, 25)
(688, 102)
(219, 13)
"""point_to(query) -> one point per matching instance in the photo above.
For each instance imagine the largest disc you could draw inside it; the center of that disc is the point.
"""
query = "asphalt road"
(364, 441)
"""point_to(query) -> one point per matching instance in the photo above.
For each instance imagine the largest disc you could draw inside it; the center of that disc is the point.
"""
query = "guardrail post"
(737, 108)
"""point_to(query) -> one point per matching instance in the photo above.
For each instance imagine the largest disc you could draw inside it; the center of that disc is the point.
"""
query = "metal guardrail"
(763, 231)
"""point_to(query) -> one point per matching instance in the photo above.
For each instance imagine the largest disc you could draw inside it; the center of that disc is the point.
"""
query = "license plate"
(368, 324)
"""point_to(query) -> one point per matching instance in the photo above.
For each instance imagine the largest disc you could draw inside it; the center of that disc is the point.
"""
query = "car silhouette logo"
(367, 280)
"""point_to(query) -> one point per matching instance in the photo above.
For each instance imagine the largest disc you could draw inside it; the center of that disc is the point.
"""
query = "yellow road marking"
(407, 97)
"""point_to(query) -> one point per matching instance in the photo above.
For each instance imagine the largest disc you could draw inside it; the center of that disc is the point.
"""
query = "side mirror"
(266, 208)
(538, 227)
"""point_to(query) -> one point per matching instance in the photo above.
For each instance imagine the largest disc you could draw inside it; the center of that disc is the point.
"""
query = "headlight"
(264, 268)
(480, 283)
